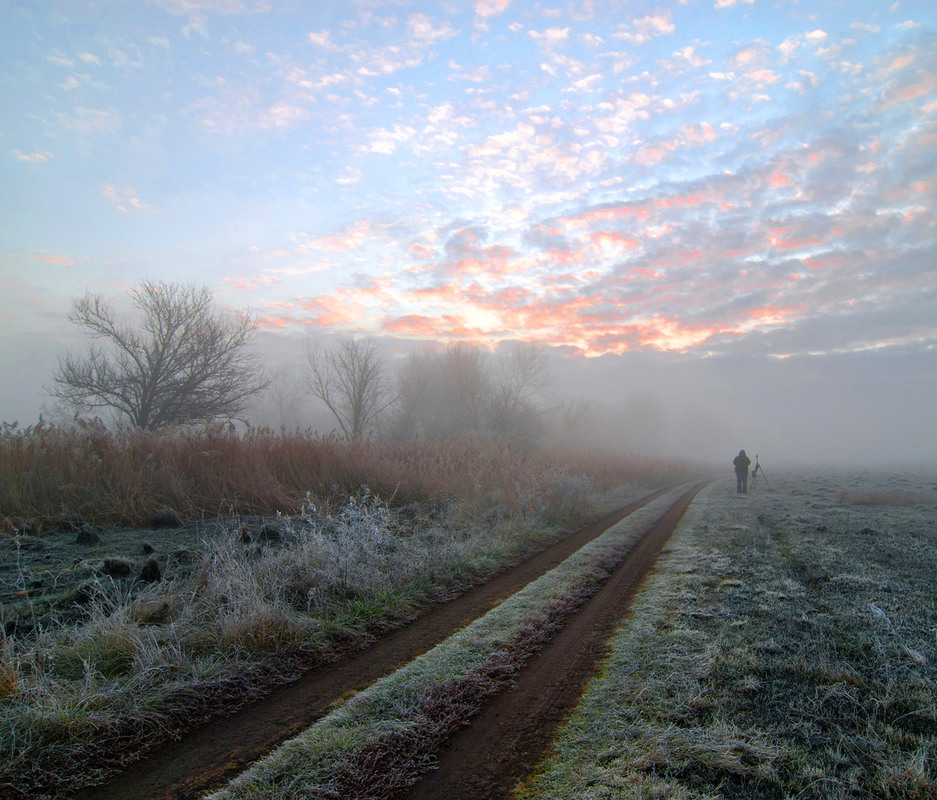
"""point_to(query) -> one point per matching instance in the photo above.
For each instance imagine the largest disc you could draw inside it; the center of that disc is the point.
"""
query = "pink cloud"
(779, 179)
(491, 8)
(352, 239)
(251, 284)
(602, 215)
(793, 244)
(422, 252)
(681, 202)
(65, 261)
(614, 242)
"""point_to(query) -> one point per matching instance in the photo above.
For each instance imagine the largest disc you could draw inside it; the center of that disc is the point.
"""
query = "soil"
(207, 757)
(509, 737)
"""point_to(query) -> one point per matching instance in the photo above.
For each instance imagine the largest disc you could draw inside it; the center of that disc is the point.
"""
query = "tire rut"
(508, 738)
(206, 757)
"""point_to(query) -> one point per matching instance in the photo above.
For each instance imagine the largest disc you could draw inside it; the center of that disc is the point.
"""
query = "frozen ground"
(785, 647)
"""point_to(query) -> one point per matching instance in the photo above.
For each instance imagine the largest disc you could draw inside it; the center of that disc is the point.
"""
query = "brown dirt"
(510, 736)
(205, 758)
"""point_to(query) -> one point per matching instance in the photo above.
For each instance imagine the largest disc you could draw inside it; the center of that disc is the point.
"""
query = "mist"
(855, 410)
(859, 410)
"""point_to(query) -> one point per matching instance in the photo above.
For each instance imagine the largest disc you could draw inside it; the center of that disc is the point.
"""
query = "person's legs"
(738, 482)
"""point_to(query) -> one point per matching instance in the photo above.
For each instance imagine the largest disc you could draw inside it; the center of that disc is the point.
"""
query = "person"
(742, 462)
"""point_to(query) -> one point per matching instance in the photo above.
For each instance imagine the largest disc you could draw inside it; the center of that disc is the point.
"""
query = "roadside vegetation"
(785, 648)
(59, 477)
(298, 547)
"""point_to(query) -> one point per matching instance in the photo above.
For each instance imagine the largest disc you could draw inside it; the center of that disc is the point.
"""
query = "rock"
(152, 612)
(148, 549)
(151, 572)
(117, 568)
(165, 518)
(84, 594)
(87, 535)
(270, 533)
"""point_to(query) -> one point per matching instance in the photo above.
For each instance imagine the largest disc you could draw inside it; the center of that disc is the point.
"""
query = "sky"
(718, 215)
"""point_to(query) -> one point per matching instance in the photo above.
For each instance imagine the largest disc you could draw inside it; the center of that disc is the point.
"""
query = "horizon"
(718, 217)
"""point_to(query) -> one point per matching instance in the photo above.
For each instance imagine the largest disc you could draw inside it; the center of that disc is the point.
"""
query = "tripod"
(759, 471)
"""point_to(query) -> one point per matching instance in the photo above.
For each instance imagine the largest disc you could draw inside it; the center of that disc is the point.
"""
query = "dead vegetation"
(54, 477)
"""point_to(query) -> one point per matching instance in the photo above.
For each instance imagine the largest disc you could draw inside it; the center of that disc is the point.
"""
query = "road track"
(509, 737)
(206, 757)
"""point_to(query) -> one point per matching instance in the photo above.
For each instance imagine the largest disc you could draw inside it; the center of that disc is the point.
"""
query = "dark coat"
(742, 463)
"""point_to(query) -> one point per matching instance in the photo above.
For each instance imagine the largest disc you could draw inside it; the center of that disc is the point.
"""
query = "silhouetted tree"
(442, 393)
(513, 411)
(179, 362)
(455, 390)
(350, 380)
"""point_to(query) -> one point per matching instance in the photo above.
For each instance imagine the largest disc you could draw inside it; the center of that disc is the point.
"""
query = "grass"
(243, 612)
(785, 648)
(883, 497)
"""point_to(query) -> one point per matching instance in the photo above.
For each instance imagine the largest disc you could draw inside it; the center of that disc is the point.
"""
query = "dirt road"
(205, 758)
(508, 738)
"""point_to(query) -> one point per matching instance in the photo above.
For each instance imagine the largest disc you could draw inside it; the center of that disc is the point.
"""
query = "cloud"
(322, 39)
(352, 238)
(550, 38)
(125, 200)
(89, 121)
(386, 141)
(486, 10)
(36, 157)
(643, 30)
(421, 29)
(61, 260)
(60, 59)
(198, 11)
(491, 8)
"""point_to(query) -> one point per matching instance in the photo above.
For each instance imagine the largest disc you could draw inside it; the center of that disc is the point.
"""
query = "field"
(786, 647)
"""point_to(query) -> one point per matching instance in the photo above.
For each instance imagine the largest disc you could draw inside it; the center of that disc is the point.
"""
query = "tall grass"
(52, 475)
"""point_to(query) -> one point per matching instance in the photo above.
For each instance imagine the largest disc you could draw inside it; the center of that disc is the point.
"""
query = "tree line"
(175, 359)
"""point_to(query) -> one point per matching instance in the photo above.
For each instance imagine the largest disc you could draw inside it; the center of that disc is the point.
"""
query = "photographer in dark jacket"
(742, 462)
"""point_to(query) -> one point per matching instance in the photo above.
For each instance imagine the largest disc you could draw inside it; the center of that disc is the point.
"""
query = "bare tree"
(350, 380)
(513, 410)
(441, 393)
(182, 362)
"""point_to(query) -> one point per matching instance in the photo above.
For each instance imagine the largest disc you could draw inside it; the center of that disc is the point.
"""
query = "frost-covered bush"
(571, 495)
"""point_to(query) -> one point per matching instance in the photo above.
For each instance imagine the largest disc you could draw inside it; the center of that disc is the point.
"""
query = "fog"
(873, 410)
(868, 410)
